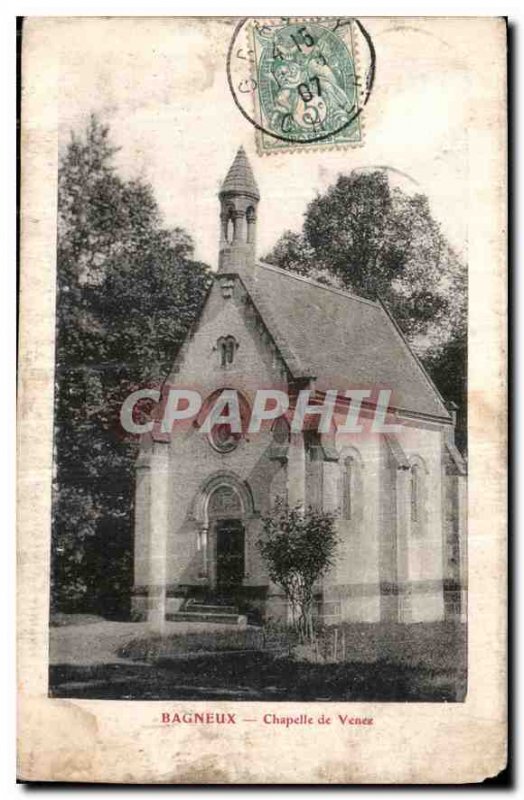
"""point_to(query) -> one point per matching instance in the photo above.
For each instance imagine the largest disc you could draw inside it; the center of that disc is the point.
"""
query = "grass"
(59, 620)
(151, 648)
(434, 645)
(424, 662)
(258, 676)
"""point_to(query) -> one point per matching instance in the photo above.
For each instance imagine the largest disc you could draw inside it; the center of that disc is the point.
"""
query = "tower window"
(229, 224)
(227, 347)
(250, 219)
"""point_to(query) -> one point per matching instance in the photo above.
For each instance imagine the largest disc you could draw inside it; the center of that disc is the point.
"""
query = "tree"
(377, 241)
(128, 289)
(298, 548)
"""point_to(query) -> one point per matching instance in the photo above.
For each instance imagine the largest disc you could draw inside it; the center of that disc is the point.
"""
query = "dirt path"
(99, 642)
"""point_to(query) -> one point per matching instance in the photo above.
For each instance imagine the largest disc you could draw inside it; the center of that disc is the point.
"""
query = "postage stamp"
(302, 82)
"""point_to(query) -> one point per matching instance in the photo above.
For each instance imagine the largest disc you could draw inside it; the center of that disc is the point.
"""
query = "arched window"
(348, 474)
(223, 493)
(224, 502)
(227, 347)
(417, 495)
(351, 486)
(415, 492)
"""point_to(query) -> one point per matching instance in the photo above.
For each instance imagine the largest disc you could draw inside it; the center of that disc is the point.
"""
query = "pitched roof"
(342, 340)
(240, 177)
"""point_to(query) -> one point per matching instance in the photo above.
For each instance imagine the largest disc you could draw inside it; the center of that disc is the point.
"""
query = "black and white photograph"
(269, 423)
(287, 518)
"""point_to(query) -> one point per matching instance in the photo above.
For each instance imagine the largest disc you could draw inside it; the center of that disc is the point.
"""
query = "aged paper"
(262, 420)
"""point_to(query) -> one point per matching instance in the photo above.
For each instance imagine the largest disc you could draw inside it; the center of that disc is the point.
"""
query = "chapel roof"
(340, 339)
(240, 178)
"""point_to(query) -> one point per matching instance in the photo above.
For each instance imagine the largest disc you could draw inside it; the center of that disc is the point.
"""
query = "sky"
(161, 86)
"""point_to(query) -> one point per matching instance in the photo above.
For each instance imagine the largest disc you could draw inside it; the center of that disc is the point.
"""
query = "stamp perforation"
(312, 90)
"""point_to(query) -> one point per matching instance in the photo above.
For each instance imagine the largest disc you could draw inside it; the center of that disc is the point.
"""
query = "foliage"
(128, 289)
(447, 367)
(298, 548)
(370, 238)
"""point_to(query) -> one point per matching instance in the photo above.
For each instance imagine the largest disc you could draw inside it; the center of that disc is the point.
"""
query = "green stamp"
(301, 84)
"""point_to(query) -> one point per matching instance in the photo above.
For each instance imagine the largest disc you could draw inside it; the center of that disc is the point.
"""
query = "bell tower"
(239, 198)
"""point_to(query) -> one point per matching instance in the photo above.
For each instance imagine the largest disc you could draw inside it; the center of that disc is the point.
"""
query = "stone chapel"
(200, 499)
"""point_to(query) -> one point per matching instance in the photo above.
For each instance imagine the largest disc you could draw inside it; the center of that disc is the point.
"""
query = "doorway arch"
(222, 509)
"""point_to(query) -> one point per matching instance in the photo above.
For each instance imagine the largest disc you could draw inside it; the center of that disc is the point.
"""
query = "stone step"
(208, 608)
(200, 616)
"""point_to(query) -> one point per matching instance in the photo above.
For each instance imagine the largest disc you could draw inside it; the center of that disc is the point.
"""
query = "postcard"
(263, 399)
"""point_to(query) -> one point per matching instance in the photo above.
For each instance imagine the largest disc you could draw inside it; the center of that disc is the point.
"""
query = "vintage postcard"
(262, 419)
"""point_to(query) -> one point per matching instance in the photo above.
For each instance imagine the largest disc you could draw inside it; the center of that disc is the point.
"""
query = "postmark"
(302, 83)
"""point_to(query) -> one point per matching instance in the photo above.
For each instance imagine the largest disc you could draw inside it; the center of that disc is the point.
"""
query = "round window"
(223, 439)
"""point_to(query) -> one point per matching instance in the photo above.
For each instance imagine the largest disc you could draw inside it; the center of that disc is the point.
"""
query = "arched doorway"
(223, 509)
(225, 520)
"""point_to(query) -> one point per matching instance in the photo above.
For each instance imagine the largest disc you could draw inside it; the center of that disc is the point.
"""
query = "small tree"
(298, 547)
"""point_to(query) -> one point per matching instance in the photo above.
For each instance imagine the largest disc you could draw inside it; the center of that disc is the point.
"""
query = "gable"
(288, 327)
(229, 315)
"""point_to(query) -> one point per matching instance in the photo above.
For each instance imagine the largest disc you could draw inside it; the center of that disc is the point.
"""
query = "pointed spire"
(240, 178)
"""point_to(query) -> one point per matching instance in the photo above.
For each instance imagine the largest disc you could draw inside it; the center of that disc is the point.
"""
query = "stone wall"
(192, 460)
